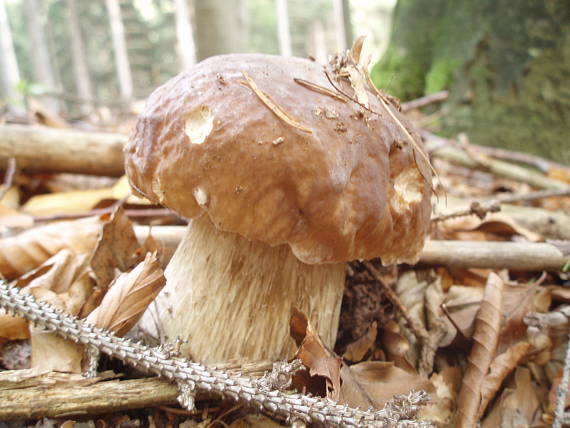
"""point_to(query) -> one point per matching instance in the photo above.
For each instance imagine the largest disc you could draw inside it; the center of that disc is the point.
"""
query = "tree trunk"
(120, 49)
(184, 35)
(42, 72)
(317, 42)
(218, 27)
(343, 26)
(10, 73)
(79, 59)
(506, 68)
(283, 31)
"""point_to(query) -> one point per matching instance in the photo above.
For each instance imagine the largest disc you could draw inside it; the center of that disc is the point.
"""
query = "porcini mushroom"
(287, 170)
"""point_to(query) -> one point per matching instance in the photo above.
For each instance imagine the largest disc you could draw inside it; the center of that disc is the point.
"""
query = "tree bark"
(120, 49)
(503, 66)
(218, 27)
(283, 31)
(41, 149)
(10, 73)
(79, 59)
(184, 34)
(42, 71)
(343, 28)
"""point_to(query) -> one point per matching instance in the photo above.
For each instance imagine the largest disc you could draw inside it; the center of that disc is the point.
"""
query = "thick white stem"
(232, 298)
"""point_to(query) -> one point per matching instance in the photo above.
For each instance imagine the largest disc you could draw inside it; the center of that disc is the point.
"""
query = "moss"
(440, 75)
(399, 74)
(507, 69)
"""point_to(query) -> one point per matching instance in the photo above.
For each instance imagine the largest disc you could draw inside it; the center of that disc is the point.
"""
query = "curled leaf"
(485, 339)
(129, 296)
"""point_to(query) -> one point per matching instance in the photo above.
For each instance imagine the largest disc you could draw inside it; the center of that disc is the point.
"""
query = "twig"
(314, 87)
(475, 208)
(531, 196)
(132, 213)
(8, 177)
(193, 376)
(273, 106)
(434, 98)
(418, 330)
(562, 390)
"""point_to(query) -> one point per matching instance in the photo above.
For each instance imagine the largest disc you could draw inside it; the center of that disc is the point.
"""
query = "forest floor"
(480, 324)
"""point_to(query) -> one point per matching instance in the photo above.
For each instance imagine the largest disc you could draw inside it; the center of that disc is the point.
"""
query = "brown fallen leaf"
(116, 248)
(441, 409)
(501, 366)
(373, 383)
(49, 351)
(357, 350)
(128, 297)
(321, 362)
(485, 339)
(28, 250)
(13, 328)
(397, 347)
(519, 404)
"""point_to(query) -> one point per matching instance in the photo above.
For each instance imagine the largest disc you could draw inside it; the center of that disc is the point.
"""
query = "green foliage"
(507, 68)
(440, 75)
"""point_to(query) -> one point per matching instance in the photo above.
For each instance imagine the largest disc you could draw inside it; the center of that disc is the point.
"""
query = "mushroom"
(288, 169)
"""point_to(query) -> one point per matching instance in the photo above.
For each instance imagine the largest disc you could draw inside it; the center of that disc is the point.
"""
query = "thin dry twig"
(434, 98)
(314, 87)
(418, 330)
(475, 208)
(272, 105)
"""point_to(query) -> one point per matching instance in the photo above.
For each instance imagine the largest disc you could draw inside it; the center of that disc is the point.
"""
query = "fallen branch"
(40, 149)
(444, 149)
(522, 256)
(548, 224)
(192, 378)
(437, 97)
(50, 395)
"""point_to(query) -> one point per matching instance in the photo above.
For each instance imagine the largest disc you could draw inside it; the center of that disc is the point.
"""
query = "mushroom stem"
(232, 298)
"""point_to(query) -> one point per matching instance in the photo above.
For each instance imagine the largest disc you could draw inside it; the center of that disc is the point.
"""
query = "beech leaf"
(485, 339)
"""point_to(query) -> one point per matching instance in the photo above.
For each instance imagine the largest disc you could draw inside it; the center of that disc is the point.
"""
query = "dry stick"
(531, 196)
(522, 256)
(436, 97)
(418, 330)
(132, 213)
(475, 208)
(428, 342)
(443, 149)
(193, 377)
(40, 149)
(562, 391)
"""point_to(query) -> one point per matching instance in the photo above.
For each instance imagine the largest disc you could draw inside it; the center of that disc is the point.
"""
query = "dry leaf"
(461, 306)
(485, 339)
(116, 248)
(11, 218)
(31, 248)
(519, 404)
(357, 350)
(441, 409)
(76, 201)
(501, 366)
(320, 361)
(373, 383)
(499, 226)
(49, 351)
(397, 347)
(13, 328)
(129, 296)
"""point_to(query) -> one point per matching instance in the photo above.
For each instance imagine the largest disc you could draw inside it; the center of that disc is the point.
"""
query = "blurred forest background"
(507, 69)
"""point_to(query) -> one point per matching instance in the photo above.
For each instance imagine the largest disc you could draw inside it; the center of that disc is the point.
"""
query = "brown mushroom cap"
(333, 180)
